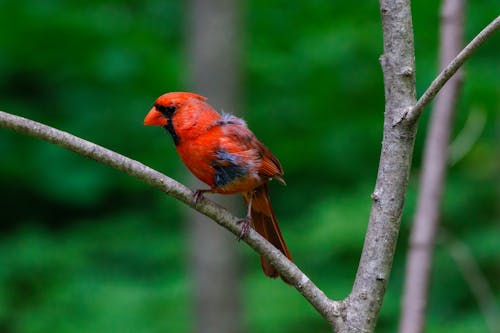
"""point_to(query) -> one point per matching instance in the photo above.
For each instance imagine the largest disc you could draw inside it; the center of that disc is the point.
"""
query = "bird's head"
(166, 105)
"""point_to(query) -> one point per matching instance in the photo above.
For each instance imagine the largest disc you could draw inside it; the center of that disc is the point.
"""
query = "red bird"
(223, 153)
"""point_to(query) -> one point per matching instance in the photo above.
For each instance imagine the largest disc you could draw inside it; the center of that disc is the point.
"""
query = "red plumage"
(222, 152)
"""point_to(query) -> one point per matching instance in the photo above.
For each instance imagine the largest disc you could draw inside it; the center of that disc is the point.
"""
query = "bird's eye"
(167, 111)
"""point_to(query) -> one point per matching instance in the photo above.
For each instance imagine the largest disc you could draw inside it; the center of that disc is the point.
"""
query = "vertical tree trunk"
(213, 52)
(398, 66)
(424, 227)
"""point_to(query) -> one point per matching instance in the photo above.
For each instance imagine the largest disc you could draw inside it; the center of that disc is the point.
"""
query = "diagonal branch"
(329, 309)
(451, 69)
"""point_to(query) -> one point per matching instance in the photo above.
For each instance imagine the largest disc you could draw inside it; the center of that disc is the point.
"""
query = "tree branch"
(423, 232)
(398, 66)
(329, 309)
(451, 69)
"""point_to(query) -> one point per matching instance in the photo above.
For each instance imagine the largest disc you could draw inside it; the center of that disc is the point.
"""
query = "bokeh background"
(85, 248)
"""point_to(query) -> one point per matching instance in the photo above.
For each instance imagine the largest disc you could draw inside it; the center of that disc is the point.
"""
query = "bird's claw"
(198, 195)
(245, 226)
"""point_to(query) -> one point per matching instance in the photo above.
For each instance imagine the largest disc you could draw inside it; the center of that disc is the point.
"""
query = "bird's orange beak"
(155, 118)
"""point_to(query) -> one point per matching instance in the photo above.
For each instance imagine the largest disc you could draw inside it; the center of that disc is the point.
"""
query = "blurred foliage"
(84, 248)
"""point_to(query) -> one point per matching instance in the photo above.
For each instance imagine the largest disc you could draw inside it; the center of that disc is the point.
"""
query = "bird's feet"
(198, 195)
(245, 226)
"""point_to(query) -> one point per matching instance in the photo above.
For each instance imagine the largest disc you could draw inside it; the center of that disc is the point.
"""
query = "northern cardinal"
(223, 153)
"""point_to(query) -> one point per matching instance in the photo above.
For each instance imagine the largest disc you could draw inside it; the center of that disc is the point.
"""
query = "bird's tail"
(265, 223)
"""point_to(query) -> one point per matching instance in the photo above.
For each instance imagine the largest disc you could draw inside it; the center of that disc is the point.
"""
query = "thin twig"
(451, 69)
(330, 310)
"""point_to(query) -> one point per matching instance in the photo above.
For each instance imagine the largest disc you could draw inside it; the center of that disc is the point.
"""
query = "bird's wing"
(240, 142)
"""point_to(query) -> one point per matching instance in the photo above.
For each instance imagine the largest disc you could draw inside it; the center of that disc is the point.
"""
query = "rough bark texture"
(398, 67)
(213, 40)
(419, 260)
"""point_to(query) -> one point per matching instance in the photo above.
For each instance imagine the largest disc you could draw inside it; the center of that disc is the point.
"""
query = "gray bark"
(398, 67)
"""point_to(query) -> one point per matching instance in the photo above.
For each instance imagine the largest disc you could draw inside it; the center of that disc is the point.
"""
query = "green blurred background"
(85, 248)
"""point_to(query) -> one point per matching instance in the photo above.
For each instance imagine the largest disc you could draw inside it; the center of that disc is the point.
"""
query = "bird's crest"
(176, 99)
